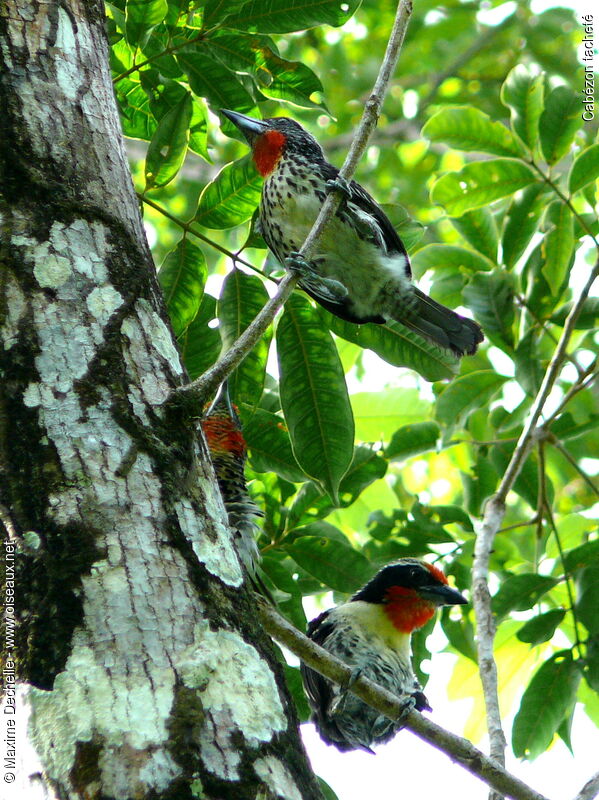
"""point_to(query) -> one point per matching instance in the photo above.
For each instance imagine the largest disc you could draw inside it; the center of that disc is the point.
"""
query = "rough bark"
(142, 671)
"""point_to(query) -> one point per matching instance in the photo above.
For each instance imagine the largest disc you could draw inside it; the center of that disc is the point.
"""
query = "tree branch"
(206, 384)
(458, 749)
(493, 516)
(590, 789)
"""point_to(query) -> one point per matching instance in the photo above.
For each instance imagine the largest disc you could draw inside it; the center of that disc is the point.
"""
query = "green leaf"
(547, 699)
(465, 394)
(242, 298)
(431, 256)
(289, 81)
(588, 598)
(293, 680)
(217, 11)
(479, 229)
(559, 123)
(460, 634)
(201, 344)
(410, 231)
(480, 183)
(490, 295)
(587, 318)
(398, 346)
(314, 395)
(467, 128)
(136, 117)
(231, 198)
(529, 365)
(182, 277)
(142, 16)
(558, 246)
(521, 592)
(541, 628)
(285, 16)
(586, 555)
(523, 94)
(166, 152)
(409, 440)
(585, 168)
(378, 414)
(210, 79)
(335, 564)
(270, 446)
(479, 484)
(310, 502)
(527, 482)
(521, 223)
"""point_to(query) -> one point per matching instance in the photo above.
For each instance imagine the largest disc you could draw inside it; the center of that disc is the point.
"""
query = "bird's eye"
(414, 572)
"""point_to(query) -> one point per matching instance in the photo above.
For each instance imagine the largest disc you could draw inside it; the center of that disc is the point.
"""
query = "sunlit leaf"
(182, 277)
(242, 298)
(468, 128)
(546, 701)
(314, 395)
(559, 123)
(480, 183)
(232, 197)
(523, 93)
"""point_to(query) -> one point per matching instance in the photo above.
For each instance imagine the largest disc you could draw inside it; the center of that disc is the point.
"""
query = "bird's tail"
(441, 325)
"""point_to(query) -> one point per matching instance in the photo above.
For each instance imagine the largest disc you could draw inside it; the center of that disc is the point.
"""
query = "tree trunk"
(140, 668)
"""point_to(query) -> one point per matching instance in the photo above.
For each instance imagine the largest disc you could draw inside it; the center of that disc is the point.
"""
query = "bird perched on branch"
(371, 633)
(360, 271)
(228, 452)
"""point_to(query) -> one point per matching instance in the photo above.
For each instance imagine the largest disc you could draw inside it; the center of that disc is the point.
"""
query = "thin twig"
(189, 227)
(546, 507)
(206, 384)
(572, 461)
(493, 516)
(458, 749)
(590, 789)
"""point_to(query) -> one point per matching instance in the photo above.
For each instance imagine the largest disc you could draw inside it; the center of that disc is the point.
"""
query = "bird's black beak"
(250, 127)
(442, 595)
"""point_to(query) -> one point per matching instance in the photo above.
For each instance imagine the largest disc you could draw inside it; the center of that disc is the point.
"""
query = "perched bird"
(361, 271)
(228, 452)
(371, 633)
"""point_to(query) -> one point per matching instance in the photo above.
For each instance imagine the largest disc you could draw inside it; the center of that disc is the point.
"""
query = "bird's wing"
(368, 217)
(317, 688)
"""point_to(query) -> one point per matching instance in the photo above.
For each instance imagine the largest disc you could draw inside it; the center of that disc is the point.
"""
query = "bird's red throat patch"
(268, 151)
(406, 609)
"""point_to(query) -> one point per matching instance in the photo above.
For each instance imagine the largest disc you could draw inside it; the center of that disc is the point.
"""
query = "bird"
(228, 453)
(361, 271)
(371, 633)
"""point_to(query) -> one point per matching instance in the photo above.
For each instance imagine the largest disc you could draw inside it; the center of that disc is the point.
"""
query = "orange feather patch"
(222, 436)
(268, 150)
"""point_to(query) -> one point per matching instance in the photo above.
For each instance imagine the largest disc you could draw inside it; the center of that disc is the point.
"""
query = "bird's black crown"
(407, 572)
(298, 140)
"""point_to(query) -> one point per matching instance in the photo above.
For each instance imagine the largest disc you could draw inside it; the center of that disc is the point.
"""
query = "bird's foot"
(339, 184)
(338, 704)
(325, 288)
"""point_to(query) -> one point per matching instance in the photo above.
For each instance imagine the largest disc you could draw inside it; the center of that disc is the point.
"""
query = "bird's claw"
(339, 184)
(325, 288)
(338, 704)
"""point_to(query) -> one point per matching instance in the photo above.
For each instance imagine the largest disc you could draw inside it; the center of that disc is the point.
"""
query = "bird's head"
(410, 591)
(222, 427)
(272, 139)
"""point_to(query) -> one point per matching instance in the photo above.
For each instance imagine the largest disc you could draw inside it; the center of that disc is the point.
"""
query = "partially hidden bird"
(360, 270)
(371, 632)
(228, 453)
